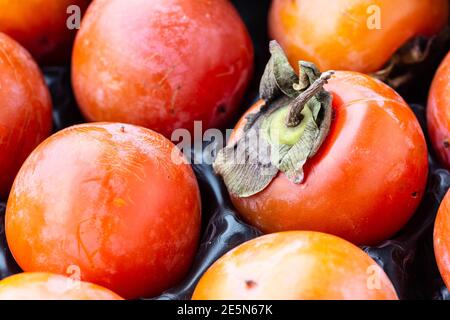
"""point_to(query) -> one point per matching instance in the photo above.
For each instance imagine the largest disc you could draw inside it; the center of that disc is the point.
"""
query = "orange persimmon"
(438, 112)
(356, 35)
(117, 201)
(25, 109)
(41, 26)
(297, 265)
(367, 178)
(441, 239)
(47, 286)
(162, 64)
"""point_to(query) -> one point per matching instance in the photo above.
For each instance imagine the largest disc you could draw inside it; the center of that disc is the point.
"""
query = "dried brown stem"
(295, 117)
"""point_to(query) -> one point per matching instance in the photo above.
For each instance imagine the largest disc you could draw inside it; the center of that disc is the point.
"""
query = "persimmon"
(47, 286)
(117, 201)
(438, 112)
(441, 239)
(296, 265)
(41, 27)
(362, 181)
(25, 109)
(161, 64)
(355, 35)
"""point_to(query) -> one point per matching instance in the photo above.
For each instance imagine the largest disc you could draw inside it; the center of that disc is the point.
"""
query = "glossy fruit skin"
(41, 27)
(441, 239)
(115, 200)
(368, 177)
(25, 109)
(337, 35)
(47, 286)
(438, 112)
(169, 63)
(296, 265)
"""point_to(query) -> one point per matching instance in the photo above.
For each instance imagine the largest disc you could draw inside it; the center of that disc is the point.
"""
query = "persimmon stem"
(296, 107)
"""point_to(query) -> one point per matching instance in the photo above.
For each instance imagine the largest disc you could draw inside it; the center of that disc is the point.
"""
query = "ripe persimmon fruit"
(117, 201)
(25, 109)
(341, 35)
(296, 265)
(438, 112)
(47, 286)
(41, 26)
(162, 64)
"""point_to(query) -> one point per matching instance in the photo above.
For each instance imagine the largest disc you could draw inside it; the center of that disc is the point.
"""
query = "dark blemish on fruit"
(221, 109)
(122, 129)
(446, 144)
(250, 284)
(414, 194)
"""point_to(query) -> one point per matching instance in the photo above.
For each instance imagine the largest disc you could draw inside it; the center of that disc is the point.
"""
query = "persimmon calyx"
(287, 131)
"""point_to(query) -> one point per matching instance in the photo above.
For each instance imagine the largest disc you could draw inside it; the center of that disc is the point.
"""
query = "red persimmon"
(442, 239)
(47, 286)
(438, 112)
(161, 64)
(357, 35)
(117, 201)
(41, 26)
(367, 178)
(298, 265)
(25, 109)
